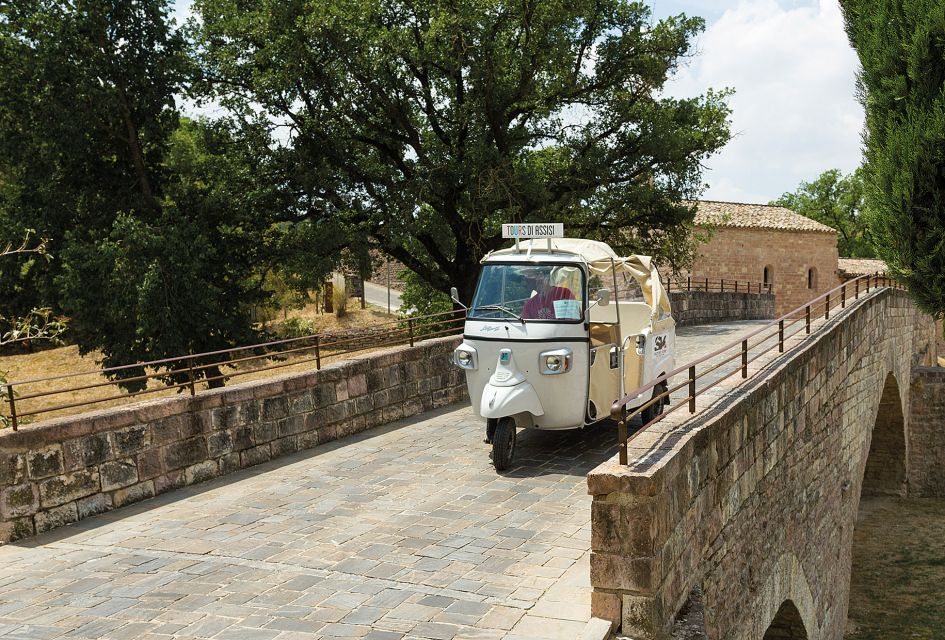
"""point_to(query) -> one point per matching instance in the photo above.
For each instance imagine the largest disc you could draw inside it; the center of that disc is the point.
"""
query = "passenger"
(541, 305)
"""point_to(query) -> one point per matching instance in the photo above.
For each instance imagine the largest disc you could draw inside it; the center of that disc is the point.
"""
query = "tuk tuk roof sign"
(533, 230)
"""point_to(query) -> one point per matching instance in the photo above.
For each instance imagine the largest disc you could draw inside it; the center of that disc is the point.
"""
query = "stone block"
(610, 571)
(291, 426)
(225, 417)
(87, 451)
(45, 462)
(16, 529)
(219, 443)
(134, 493)
(93, 505)
(56, 517)
(19, 500)
(118, 474)
(341, 390)
(166, 430)
(242, 438)
(229, 463)
(68, 488)
(12, 468)
(275, 408)
(131, 440)
(606, 606)
(149, 464)
(325, 394)
(301, 403)
(195, 424)
(201, 472)
(169, 481)
(254, 456)
(185, 453)
(284, 446)
(265, 432)
(357, 386)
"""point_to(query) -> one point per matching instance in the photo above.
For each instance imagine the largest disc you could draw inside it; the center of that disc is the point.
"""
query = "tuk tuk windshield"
(545, 292)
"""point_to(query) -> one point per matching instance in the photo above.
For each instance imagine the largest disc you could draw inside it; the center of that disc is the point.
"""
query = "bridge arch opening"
(787, 624)
(885, 473)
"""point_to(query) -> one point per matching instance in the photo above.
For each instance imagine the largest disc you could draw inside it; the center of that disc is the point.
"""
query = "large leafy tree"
(901, 47)
(426, 124)
(835, 200)
(160, 228)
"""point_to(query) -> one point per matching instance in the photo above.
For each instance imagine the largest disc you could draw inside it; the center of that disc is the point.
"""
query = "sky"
(794, 112)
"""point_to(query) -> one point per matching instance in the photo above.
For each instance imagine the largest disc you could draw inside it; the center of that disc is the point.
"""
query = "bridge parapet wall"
(705, 307)
(754, 500)
(58, 471)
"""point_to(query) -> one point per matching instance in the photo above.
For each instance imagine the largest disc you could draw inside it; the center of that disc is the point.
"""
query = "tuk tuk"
(558, 329)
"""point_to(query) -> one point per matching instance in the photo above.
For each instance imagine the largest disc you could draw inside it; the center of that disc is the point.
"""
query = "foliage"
(420, 300)
(835, 200)
(425, 125)
(297, 328)
(901, 46)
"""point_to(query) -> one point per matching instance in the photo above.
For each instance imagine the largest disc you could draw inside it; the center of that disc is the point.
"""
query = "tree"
(425, 125)
(835, 200)
(161, 227)
(901, 46)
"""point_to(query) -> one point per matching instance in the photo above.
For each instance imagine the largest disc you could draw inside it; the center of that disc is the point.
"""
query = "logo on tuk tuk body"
(659, 344)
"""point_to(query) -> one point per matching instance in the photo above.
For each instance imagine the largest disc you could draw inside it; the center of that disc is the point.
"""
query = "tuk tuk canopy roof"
(600, 259)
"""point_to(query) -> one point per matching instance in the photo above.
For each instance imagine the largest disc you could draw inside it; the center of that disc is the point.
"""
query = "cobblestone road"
(405, 531)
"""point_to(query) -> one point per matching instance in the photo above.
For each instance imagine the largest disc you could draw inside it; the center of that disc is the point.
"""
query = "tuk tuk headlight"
(555, 362)
(465, 358)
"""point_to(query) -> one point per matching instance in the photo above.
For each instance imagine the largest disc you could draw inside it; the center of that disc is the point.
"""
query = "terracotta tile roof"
(755, 216)
(853, 267)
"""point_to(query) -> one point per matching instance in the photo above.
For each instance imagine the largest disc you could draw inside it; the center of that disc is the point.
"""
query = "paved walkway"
(405, 531)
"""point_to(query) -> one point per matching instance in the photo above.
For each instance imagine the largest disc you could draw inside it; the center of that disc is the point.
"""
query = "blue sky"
(794, 111)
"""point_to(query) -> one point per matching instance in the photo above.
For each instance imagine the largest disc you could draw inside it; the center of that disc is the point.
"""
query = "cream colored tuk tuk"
(559, 329)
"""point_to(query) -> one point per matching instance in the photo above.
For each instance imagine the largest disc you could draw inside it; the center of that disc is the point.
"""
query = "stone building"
(850, 268)
(768, 244)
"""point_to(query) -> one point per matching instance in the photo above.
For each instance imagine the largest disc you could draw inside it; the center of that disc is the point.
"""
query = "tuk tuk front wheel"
(503, 444)
(490, 429)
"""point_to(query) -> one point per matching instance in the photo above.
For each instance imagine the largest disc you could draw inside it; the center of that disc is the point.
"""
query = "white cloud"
(794, 112)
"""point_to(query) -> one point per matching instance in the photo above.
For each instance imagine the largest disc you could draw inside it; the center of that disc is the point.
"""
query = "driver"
(541, 305)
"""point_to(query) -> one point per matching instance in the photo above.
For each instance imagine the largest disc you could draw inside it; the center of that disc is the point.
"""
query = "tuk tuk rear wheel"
(503, 444)
(655, 409)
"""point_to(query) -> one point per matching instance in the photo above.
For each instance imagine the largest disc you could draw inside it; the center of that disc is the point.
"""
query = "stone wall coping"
(55, 430)
(677, 452)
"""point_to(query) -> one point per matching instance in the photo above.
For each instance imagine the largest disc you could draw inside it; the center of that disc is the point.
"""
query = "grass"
(896, 588)
(65, 360)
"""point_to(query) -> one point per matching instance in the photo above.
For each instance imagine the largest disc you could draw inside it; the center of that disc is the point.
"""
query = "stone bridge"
(288, 508)
(738, 522)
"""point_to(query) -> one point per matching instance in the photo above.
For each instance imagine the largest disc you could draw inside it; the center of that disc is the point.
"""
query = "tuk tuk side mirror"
(603, 297)
(454, 295)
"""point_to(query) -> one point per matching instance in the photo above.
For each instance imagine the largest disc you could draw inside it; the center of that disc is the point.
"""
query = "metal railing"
(722, 285)
(775, 332)
(307, 349)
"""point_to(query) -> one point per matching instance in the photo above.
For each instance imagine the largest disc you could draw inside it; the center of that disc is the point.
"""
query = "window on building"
(812, 278)
(768, 275)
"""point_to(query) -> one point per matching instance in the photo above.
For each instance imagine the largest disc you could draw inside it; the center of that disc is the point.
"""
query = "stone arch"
(787, 624)
(886, 469)
(812, 278)
(767, 274)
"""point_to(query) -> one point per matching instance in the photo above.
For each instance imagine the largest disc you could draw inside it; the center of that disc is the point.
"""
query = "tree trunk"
(214, 377)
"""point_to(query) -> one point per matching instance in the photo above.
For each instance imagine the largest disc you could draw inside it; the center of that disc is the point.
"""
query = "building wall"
(701, 307)
(926, 435)
(743, 254)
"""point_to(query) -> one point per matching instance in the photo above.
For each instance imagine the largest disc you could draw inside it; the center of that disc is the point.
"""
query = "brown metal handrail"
(722, 285)
(401, 331)
(743, 345)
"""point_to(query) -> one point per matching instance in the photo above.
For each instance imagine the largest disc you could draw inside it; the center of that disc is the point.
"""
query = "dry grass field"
(897, 586)
(66, 360)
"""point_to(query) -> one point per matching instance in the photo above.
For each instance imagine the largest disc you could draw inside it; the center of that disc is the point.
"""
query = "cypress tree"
(901, 47)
